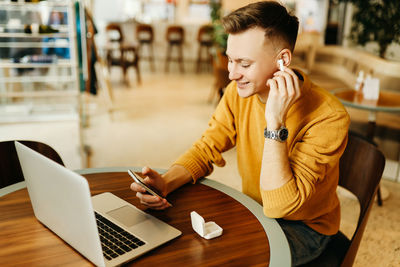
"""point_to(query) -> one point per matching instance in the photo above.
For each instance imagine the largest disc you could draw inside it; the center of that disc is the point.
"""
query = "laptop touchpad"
(127, 216)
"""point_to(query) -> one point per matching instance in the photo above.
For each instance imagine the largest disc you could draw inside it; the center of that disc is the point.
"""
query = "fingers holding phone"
(146, 189)
(153, 202)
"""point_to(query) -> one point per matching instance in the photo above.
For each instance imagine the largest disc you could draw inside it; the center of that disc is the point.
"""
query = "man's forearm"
(175, 177)
(275, 167)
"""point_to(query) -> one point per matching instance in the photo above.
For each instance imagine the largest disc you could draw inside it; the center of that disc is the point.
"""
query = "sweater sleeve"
(219, 137)
(313, 159)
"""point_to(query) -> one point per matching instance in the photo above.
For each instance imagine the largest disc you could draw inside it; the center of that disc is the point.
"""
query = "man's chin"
(244, 92)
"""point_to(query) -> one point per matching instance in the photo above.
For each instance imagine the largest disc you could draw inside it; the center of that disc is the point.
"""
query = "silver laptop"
(104, 228)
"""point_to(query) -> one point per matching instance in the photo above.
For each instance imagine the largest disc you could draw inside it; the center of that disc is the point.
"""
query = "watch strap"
(280, 135)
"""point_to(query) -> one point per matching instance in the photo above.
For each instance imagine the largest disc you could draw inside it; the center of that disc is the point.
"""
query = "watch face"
(283, 134)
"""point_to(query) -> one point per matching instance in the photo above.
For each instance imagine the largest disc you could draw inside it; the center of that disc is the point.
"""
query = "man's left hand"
(284, 91)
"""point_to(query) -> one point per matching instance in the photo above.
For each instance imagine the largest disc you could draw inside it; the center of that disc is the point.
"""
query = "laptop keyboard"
(115, 241)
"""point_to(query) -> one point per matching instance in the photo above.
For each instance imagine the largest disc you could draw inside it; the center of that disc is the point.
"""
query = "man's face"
(252, 61)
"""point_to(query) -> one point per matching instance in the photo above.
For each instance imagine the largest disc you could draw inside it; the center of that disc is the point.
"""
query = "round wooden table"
(249, 238)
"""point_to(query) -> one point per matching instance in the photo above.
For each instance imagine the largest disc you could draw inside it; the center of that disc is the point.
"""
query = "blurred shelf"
(33, 35)
(44, 79)
(58, 64)
(35, 44)
(40, 94)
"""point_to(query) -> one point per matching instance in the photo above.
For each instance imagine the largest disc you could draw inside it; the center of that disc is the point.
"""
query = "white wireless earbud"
(280, 62)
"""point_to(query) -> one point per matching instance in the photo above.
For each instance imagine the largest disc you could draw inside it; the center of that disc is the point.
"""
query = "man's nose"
(234, 74)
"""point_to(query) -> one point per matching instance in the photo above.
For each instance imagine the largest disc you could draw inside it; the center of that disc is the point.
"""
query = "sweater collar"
(306, 81)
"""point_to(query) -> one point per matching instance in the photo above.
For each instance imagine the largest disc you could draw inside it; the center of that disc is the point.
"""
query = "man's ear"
(286, 56)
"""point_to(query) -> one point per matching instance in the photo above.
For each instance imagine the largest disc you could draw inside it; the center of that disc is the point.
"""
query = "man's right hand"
(155, 180)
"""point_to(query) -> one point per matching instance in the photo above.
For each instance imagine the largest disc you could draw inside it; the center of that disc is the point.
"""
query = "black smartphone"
(151, 190)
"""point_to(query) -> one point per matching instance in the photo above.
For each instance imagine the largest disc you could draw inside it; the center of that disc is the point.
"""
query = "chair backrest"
(205, 34)
(361, 168)
(175, 34)
(144, 33)
(10, 169)
(114, 33)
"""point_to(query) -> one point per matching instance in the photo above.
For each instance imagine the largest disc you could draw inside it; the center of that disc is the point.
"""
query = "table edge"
(365, 107)
(279, 247)
(12, 188)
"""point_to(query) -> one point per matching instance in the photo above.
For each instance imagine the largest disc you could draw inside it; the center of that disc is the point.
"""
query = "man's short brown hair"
(279, 25)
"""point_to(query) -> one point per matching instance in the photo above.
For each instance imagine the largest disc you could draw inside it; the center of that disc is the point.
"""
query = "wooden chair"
(175, 37)
(360, 171)
(371, 141)
(120, 54)
(205, 41)
(221, 77)
(145, 37)
(10, 169)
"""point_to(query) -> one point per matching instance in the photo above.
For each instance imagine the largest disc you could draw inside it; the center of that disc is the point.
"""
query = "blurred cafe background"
(134, 83)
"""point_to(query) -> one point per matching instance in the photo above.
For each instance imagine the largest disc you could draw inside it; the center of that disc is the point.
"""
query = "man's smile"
(242, 85)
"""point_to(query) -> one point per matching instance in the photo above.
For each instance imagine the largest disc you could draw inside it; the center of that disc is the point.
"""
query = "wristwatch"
(280, 135)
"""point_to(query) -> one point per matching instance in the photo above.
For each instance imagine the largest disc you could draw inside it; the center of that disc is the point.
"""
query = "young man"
(289, 133)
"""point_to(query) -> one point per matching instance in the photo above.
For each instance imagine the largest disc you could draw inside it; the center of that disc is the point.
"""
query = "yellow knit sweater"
(318, 125)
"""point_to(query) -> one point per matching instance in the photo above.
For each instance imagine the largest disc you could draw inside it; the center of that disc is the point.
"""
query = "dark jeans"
(305, 243)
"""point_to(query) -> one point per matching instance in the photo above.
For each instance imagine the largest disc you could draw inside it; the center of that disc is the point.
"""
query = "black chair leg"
(168, 59)
(379, 196)
(153, 69)
(181, 59)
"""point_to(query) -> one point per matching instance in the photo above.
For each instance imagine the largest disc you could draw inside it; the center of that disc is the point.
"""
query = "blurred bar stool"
(145, 37)
(175, 37)
(205, 40)
(120, 54)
